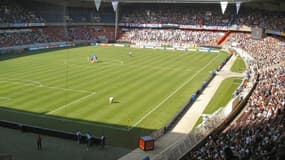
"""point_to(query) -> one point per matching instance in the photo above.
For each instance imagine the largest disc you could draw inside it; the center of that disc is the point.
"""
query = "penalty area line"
(6, 98)
(18, 81)
(173, 93)
(39, 84)
(68, 89)
(71, 103)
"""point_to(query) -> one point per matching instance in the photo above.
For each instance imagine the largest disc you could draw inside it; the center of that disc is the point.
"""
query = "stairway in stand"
(224, 38)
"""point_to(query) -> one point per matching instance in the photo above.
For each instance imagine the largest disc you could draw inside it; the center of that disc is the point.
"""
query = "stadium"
(142, 79)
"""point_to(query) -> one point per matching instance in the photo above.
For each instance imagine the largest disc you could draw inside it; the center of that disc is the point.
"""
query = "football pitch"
(62, 90)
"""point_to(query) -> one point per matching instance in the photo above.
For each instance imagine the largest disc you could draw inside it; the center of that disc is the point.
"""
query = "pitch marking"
(25, 83)
(71, 103)
(5, 100)
(39, 84)
(169, 96)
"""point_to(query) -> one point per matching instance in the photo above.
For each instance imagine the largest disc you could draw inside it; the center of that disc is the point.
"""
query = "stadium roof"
(171, 1)
(186, 1)
(162, 1)
(86, 3)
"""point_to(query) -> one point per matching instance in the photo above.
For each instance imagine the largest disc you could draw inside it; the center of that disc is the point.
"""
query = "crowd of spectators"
(207, 15)
(170, 37)
(23, 37)
(15, 37)
(82, 33)
(204, 14)
(90, 33)
(267, 51)
(259, 131)
(256, 134)
(12, 12)
(261, 18)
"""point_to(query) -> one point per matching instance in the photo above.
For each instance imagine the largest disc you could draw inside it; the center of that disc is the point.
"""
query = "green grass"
(61, 90)
(222, 96)
(238, 66)
(199, 121)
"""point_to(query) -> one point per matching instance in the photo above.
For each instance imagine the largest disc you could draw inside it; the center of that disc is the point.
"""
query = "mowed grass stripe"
(32, 101)
(174, 92)
(122, 110)
(22, 70)
(42, 94)
(71, 103)
(93, 75)
(87, 111)
(106, 73)
(161, 58)
(167, 67)
(121, 89)
(46, 72)
(139, 83)
(42, 69)
(19, 88)
(48, 96)
(141, 92)
(177, 101)
(160, 85)
(110, 90)
(98, 76)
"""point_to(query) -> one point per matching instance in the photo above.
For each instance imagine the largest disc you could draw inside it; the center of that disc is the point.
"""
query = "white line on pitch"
(64, 119)
(71, 103)
(34, 83)
(68, 89)
(25, 84)
(169, 96)
(7, 98)
(39, 84)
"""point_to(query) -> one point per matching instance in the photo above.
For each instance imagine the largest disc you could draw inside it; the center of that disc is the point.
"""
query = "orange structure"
(146, 143)
(223, 39)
